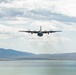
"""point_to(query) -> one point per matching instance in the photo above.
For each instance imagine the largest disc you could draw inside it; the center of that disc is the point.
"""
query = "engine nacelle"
(31, 33)
(48, 32)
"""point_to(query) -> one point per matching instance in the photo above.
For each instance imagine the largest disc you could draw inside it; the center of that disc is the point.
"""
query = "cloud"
(65, 26)
(35, 15)
(7, 32)
(40, 10)
(48, 15)
(5, 1)
(10, 13)
(52, 25)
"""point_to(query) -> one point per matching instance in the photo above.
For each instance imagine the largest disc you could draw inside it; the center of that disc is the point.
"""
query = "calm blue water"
(38, 67)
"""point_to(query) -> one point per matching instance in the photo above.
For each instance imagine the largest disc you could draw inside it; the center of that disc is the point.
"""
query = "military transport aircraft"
(40, 32)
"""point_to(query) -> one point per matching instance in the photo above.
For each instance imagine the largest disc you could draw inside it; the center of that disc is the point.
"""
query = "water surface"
(38, 67)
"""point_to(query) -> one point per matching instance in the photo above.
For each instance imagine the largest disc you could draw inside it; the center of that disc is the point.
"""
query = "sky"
(18, 15)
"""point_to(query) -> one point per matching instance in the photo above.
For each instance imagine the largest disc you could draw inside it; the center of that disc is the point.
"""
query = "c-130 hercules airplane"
(40, 32)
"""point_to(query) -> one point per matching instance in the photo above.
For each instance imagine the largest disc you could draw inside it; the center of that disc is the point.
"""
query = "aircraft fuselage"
(40, 34)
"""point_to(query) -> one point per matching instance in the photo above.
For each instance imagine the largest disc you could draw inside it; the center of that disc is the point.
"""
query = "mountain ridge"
(13, 53)
(18, 55)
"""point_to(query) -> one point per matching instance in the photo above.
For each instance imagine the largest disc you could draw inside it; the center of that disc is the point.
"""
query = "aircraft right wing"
(30, 31)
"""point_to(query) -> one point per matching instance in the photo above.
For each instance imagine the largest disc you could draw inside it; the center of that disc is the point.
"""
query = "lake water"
(38, 67)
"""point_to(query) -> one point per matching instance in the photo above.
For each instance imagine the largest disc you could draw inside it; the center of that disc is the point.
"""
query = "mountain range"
(10, 54)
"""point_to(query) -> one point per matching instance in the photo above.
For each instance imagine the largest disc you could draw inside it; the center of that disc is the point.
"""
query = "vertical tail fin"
(40, 28)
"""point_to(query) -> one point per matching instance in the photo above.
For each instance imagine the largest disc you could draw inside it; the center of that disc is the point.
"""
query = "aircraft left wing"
(50, 31)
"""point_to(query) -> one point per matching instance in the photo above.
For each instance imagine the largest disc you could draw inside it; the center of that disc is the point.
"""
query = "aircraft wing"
(50, 31)
(30, 31)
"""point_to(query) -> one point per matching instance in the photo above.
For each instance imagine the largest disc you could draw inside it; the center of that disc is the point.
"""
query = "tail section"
(40, 28)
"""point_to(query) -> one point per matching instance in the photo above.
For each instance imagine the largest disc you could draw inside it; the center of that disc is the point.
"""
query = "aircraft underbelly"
(40, 34)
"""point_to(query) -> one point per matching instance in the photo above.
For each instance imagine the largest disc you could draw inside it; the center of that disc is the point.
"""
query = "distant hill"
(9, 54)
(5, 53)
(64, 56)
